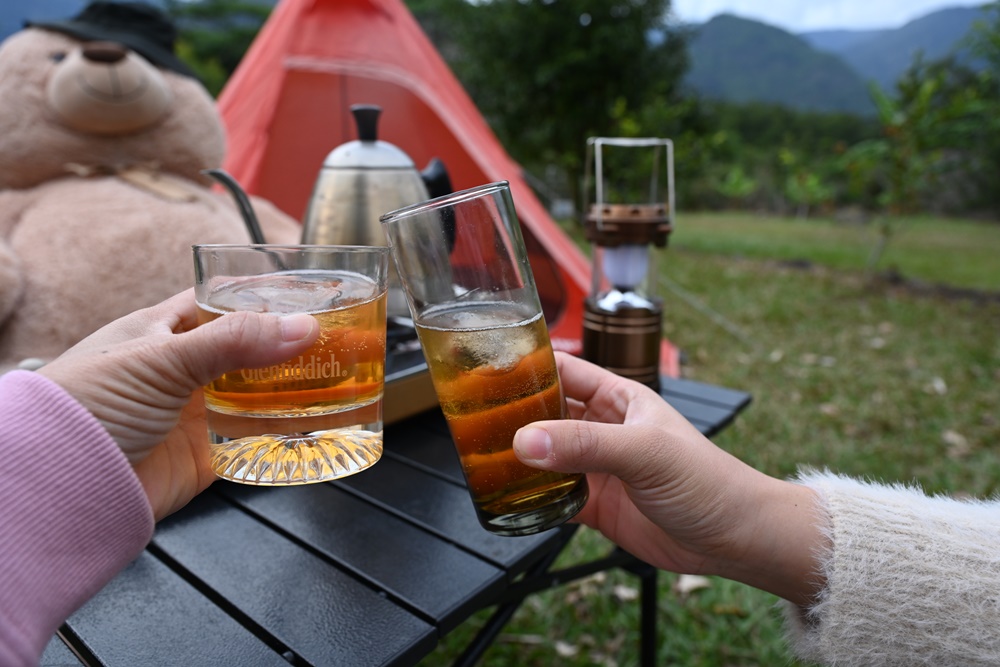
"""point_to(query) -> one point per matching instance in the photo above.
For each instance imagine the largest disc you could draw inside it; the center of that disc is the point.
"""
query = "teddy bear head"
(102, 91)
(104, 134)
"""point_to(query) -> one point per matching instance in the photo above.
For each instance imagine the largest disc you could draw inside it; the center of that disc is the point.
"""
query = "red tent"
(288, 105)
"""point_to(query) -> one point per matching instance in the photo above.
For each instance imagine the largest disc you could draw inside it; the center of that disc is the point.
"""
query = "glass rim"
(300, 247)
(449, 199)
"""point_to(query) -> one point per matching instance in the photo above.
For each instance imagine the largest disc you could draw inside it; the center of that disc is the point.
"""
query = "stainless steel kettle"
(358, 182)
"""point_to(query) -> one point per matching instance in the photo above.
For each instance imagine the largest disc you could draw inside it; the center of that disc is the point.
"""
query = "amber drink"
(470, 290)
(317, 416)
(494, 372)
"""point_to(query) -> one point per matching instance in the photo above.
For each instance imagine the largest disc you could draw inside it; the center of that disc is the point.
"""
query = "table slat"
(57, 654)
(430, 576)
(148, 615)
(287, 592)
(444, 509)
(426, 443)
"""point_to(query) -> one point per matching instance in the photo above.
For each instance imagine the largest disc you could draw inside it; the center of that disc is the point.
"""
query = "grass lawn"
(869, 379)
(958, 253)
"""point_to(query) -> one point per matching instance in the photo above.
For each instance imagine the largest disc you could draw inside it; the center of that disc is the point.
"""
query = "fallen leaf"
(829, 409)
(729, 610)
(958, 444)
(528, 640)
(688, 583)
(626, 593)
(566, 650)
(937, 386)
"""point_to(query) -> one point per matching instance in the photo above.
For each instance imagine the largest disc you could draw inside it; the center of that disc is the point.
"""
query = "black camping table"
(370, 570)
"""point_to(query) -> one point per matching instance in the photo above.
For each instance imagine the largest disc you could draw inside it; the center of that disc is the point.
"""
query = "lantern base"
(626, 341)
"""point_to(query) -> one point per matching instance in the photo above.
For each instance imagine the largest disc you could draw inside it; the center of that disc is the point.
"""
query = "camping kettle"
(358, 182)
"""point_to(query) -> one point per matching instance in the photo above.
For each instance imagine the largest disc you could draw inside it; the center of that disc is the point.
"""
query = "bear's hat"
(139, 26)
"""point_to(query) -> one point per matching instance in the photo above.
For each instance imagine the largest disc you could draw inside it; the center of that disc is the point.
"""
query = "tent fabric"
(288, 105)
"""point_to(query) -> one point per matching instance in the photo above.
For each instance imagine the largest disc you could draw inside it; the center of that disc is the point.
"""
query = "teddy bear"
(105, 139)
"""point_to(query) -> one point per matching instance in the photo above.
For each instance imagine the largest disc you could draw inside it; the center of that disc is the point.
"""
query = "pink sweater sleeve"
(72, 512)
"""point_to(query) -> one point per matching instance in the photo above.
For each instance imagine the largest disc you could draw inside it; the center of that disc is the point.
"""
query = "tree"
(901, 158)
(982, 100)
(804, 187)
(736, 185)
(215, 34)
(548, 74)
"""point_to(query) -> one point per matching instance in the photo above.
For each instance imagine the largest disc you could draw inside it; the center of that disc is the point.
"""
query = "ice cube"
(500, 348)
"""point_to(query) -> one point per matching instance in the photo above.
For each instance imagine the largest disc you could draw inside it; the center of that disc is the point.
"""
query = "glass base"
(537, 519)
(277, 460)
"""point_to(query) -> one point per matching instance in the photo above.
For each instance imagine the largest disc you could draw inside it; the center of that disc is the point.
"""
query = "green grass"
(959, 253)
(868, 379)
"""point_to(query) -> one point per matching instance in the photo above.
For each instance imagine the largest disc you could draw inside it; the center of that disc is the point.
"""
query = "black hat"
(139, 26)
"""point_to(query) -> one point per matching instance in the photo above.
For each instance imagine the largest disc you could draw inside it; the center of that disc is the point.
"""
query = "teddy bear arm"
(11, 281)
(13, 205)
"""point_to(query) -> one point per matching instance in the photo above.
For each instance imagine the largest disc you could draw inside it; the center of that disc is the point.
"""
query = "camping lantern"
(623, 316)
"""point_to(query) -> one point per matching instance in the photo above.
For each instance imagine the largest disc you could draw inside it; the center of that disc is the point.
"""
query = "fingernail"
(533, 444)
(296, 327)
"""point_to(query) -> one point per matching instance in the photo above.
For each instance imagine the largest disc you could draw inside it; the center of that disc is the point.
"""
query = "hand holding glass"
(469, 286)
(316, 417)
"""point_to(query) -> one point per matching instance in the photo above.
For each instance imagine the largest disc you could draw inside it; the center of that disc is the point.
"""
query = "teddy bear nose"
(104, 52)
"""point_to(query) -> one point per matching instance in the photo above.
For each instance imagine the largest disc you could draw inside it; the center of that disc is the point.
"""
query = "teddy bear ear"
(145, 29)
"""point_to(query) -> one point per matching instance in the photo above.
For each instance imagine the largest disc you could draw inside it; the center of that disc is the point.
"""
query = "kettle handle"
(436, 178)
(438, 183)
(366, 118)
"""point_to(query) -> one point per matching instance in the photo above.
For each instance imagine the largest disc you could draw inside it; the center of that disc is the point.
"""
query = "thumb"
(631, 453)
(241, 340)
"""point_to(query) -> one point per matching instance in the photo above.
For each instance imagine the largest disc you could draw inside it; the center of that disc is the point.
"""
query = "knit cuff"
(911, 579)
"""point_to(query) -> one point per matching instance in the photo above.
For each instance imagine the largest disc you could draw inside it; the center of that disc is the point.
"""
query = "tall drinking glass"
(463, 266)
(316, 417)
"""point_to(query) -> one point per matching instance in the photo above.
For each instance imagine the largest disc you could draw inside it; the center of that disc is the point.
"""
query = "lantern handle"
(595, 146)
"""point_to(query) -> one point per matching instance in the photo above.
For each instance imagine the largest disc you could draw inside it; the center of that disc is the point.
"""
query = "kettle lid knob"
(368, 152)
(366, 118)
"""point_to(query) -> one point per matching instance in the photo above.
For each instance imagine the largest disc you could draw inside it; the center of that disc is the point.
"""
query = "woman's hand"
(141, 377)
(666, 494)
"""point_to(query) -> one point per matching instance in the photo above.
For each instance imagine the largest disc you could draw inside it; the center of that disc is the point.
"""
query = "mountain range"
(883, 55)
(739, 60)
(742, 60)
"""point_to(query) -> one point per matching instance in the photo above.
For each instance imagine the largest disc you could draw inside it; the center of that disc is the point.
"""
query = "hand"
(666, 494)
(141, 376)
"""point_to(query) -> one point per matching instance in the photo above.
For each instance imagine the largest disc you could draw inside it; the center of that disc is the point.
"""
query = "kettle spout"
(242, 202)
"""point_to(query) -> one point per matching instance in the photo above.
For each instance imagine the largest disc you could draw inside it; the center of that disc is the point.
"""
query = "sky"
(805, 15)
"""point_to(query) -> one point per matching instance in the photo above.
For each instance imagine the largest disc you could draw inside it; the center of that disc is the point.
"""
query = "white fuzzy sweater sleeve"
(911, 579)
